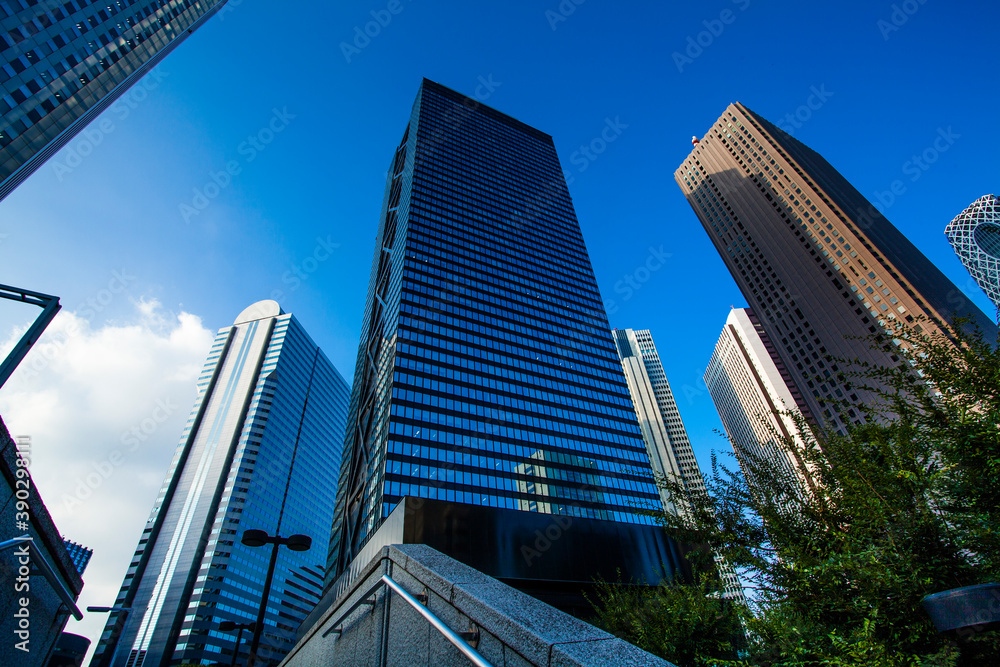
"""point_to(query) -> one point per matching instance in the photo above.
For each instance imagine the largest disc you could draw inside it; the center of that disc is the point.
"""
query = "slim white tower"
(756, 398)
(663, 431)
(670, 451)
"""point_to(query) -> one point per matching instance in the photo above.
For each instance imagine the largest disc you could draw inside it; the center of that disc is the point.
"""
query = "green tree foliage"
(902, 506)
(691, 624)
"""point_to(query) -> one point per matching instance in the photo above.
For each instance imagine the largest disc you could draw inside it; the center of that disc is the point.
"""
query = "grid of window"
(275, 469)
(505, 388)
(64, 61)
(665, 436)
(751, 260)
(79, 554)
(753, 405)
(683, 451)
(815, 260)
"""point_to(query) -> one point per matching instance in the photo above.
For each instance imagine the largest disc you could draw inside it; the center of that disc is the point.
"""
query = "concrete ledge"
(604, 652)
(521, 621)
(434, 569)
(515, 629)
(316, 630)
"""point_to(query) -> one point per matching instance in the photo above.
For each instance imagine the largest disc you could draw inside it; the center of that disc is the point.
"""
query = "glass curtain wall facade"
(975, 236)
(820, 267)
(66, 62)
(79, 554)
(261, 450)
(486, 372)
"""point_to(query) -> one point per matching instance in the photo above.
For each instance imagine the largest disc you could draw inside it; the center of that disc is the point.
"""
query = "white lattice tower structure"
(975, 236)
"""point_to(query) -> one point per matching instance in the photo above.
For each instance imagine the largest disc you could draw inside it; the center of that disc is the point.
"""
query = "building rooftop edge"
(474, 103)
(258, 311)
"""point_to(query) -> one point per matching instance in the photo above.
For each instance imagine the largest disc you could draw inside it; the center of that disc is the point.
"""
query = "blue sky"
(298, 220)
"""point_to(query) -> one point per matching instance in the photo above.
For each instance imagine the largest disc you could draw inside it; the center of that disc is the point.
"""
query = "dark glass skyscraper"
(79, 554)
(261, 450)
(66, 62)
(486, 373)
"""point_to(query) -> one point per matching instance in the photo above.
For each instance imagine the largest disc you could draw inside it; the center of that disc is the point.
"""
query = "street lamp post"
(115, 610)
(229, 626)
(258, 538)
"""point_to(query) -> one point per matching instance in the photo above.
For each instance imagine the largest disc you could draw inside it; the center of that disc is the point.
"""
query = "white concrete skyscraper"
(755, 396)
(666, 439)
(659, 419)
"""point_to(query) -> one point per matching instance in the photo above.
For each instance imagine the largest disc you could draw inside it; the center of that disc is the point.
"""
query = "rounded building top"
(258, 311)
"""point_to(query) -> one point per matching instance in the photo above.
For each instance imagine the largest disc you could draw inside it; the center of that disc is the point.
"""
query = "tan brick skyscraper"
(814, 259)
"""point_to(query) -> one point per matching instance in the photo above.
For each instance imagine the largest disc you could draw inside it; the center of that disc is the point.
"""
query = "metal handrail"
(11, 543)
(438, 624)
(48, 572)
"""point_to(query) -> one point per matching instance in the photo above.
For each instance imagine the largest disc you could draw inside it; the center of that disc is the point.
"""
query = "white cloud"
(104, 408)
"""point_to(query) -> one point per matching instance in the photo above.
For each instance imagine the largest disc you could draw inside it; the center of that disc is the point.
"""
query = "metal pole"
(50, 306)
(118, 641)
(263, 604)
(116, 636)
(236, 651)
